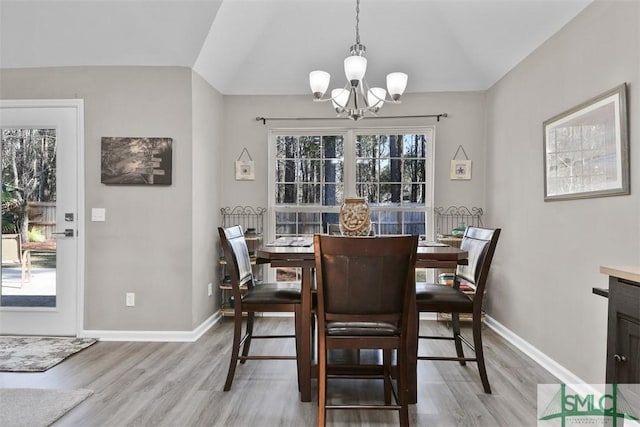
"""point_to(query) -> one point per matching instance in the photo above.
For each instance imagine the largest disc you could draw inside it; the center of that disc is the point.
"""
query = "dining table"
(303, 257)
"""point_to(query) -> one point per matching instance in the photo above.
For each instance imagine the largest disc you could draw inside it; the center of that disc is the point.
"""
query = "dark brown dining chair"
(480, 243)
(365, 285)
(250, 298)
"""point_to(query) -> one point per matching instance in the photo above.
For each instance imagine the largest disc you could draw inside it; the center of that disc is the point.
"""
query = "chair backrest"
(11, 249)
(364, 278)
(236, 253)
(480, 243)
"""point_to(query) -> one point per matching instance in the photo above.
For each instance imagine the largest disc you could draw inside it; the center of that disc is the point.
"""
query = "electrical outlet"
(210, 289)
(131, 299)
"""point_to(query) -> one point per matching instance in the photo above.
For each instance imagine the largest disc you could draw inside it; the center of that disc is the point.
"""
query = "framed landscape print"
(136, 161)
(586, 149)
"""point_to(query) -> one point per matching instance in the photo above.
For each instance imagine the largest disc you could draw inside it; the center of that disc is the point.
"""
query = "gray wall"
(147, 244)
(549, 254)
(465, 125)
(205, 208)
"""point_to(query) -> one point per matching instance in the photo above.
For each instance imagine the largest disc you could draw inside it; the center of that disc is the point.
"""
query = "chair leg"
(298, 330)
(322, 382)
(455, 322)
(247, 341)
(386, 357)
(235, 350)
(402, 383)
(477, 342)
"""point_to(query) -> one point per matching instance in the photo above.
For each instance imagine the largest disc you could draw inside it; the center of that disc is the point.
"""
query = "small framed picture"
(245, 170)
(460, 170)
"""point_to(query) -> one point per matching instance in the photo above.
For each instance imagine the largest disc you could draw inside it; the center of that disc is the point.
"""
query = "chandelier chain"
(357, 22)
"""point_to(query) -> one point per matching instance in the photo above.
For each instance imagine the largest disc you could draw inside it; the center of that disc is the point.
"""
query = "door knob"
(619, 359)
(66, 233)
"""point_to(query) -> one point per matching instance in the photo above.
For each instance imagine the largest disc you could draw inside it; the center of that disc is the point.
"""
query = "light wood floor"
(180, 384)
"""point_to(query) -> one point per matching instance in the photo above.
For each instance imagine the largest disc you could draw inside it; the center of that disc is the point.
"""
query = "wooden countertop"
(631, 273)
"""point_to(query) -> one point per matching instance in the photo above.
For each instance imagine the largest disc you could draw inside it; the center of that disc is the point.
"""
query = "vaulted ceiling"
(269, 46)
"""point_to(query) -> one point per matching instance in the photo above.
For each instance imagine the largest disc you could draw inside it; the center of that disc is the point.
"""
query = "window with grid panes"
(313, 170)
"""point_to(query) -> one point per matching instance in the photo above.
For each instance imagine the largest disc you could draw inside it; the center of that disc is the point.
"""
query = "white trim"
(563, 374)
(155, 336)
(80, 225)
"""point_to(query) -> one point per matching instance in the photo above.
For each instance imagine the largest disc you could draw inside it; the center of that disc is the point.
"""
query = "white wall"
(548, 257)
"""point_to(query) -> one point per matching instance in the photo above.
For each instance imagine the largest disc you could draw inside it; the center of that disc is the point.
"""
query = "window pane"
(368, 191)
(388, 222)
(285, 223)
(309, 147)
(309, 194)
(309, 170)
(414, 223)
(286, 194)
(414, 146)
(397, 159)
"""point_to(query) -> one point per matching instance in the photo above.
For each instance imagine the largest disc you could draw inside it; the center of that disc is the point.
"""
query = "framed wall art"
(460, 168)
(586, 149)
(136, 161)
(245, 169)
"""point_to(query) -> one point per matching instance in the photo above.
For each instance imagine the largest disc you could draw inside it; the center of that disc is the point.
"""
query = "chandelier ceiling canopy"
(356, 98)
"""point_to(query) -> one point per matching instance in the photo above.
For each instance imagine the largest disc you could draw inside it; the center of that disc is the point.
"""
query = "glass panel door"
(28, 217)
(42, 175)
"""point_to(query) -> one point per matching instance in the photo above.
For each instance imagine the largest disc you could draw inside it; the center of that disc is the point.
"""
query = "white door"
(54, 244)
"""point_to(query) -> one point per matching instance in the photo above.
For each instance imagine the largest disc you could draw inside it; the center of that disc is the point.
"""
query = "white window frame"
(349, 170)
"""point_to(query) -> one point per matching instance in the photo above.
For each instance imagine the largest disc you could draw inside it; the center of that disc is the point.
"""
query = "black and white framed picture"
(586, 149)
(136, 161)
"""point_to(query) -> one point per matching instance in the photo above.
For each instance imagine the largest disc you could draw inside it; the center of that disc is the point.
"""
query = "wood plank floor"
(180, 384)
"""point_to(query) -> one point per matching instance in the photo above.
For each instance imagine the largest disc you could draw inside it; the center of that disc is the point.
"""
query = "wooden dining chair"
(480, 243)
(250, 298)
(365, 285)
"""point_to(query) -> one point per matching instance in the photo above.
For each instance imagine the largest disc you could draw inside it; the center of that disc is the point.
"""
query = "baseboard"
(155, 336)
(563, 374)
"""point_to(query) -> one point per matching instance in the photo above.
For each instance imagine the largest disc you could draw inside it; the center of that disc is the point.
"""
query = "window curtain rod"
(422, 116)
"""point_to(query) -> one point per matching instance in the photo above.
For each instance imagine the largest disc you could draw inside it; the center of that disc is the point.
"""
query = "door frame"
(78, 105)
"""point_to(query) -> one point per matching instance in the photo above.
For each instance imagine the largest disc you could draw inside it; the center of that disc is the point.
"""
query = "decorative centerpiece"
(354, 218)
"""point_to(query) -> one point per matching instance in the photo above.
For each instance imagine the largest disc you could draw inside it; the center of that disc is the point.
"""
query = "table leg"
(412, 354)
(305, 336)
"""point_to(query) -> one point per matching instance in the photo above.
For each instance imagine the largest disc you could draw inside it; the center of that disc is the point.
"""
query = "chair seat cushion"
(362, 328)
(432, 297)
(273, 293)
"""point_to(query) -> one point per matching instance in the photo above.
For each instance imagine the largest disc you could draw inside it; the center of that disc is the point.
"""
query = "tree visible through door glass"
(28, 217)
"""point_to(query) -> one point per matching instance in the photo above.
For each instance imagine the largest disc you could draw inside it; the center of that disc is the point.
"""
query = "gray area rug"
(37, 354)
(32, 407)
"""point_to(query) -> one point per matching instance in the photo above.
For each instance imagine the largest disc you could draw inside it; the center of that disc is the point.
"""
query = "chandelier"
(356, 98)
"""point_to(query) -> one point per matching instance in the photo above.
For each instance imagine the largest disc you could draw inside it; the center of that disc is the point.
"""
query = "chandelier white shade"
(396, 84)
(319, 82)
(356, 98)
